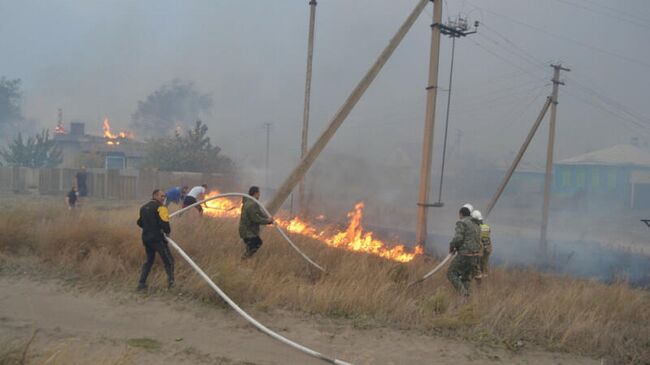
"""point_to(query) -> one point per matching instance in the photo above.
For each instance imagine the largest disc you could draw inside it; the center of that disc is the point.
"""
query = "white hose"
(435, 269)
(250, 319)
(225, 195)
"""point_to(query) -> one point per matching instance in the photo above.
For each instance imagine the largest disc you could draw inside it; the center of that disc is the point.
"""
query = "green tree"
(192, 151)
(36, 151)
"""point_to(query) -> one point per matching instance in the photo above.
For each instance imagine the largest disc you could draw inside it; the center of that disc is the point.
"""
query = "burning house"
(110, 151)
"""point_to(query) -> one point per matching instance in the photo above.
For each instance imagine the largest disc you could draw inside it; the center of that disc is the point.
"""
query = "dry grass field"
(511, 308)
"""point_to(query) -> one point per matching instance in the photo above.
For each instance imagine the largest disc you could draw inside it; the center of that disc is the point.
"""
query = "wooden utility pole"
(305, 114)
(299, 171)
(548, 177)
(520, 154)
(454, 29)
(429, 123)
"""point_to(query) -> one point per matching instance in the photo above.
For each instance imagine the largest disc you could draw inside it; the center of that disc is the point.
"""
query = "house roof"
(618, 155)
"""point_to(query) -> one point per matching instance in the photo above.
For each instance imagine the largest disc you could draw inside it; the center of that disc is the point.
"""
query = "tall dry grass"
(513, 306)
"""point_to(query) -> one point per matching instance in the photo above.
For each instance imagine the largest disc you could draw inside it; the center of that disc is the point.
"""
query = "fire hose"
(234, 305)
(246, 316)
(225, 195)
(435, 269)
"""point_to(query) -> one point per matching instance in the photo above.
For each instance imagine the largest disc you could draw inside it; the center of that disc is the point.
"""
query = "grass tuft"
(512, 306)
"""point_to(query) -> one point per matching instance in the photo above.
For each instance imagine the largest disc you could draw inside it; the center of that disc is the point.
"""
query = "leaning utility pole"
(518, 158)
(429, 123)
(305, 114)
(299, 171)
(549, 154)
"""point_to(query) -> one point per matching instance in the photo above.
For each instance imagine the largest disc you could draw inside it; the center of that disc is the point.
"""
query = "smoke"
(246, 61)
(172, 106)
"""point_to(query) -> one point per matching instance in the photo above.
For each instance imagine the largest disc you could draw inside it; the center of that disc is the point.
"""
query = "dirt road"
(83, 327)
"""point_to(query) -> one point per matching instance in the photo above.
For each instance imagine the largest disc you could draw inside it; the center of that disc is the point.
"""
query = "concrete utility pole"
(548, 177)
(299, 171)
(268, 150)
(305, 114)
(429, 123)
(520, 154)
(455, 28)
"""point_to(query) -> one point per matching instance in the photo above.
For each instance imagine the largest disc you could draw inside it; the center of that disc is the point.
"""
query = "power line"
(618, 11)
(613, 103)
(530, 58)
(639, 127)
(603, 13)
(495, 54)
(537, 65)
(565, 38)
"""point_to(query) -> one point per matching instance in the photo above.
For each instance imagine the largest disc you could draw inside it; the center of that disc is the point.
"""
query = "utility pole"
(268, 148)
(429, 123)
(455, 28)
(518, 158)
(305, 114)
(549, 154)
(301, 169)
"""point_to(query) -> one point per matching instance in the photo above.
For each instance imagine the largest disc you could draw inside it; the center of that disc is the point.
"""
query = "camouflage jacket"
(467, 237)
(251, 218)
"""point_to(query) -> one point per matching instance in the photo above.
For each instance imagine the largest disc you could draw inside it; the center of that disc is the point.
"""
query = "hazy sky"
(98, 58)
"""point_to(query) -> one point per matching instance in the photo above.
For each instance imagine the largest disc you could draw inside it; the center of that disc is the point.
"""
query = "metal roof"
(618, 155)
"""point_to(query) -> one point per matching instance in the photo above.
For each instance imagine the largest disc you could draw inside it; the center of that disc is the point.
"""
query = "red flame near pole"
(353, 238)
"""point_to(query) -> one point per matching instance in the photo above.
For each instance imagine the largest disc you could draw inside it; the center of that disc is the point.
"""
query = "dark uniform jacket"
(154, 221)
(251, 218)
(466, 240)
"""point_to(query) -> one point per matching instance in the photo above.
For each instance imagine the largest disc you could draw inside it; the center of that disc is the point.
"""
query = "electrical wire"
(565, 38)
(629, 20)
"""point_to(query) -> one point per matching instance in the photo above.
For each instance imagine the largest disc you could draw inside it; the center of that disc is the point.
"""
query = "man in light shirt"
(196, 194)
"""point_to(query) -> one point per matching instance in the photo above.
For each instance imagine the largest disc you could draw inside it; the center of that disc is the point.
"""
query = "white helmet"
(477, 215)
(469, 206)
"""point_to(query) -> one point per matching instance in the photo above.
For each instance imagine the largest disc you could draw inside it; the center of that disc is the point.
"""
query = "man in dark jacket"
(154, 221)
(251, 218)
(466, 243)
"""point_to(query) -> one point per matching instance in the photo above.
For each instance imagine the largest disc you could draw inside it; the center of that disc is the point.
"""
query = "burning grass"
(353, 238)
(512, 307)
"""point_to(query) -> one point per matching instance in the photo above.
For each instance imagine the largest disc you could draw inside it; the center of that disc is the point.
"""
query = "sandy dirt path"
(84, 327)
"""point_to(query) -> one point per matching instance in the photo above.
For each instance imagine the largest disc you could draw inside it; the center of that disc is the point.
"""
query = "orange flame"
(111, 136)
(221, 207)
(59, 129)
(353, 238)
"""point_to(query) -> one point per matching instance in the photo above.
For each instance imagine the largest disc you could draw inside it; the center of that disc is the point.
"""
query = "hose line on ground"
(246, 316)
(435, 269)
(282, 233)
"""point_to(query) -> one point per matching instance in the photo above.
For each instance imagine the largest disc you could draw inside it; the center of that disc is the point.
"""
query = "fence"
(114, 184)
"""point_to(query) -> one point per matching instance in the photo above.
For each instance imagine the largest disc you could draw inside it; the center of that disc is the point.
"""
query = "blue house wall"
(613, 181)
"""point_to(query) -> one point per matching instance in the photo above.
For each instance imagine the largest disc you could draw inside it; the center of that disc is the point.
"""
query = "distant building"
(618, 175)
(114, 153)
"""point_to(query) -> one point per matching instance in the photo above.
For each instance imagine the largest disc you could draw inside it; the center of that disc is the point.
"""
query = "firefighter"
(251, 218)
(486, 244)
(466, 244)
(154, 221)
